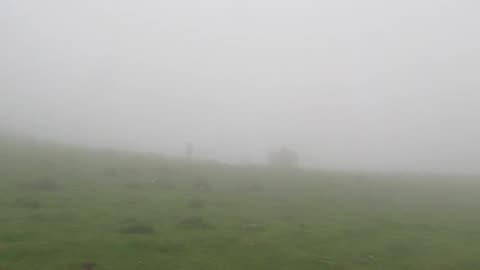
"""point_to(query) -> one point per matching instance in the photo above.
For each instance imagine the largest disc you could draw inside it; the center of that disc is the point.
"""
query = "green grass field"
(62, 207)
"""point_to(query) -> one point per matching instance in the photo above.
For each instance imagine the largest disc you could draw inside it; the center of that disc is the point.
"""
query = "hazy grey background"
(373, 84)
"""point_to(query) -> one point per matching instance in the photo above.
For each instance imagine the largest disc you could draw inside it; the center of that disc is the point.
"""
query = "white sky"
(378, 85)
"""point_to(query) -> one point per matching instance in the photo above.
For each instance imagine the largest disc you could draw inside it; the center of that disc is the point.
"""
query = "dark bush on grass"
(111, 172)
(88, 266)
(255, 227)
(152, 245)
(164, 183)
(133, 185)
(43, 184)
(400, 250)
(137, 228)
(197, 203)
(254, 187)
(129, 220)
(170, 247)
(26, 203)
(194, 223)
(38, 217)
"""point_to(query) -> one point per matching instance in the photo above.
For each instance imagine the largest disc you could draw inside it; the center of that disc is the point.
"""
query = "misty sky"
(373, 84)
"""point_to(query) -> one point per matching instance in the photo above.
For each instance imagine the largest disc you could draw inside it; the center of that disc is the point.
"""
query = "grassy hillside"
(65, 208)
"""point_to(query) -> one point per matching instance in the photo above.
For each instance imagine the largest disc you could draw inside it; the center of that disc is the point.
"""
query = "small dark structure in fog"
(284, 157)
(189, 151)
(202, 184)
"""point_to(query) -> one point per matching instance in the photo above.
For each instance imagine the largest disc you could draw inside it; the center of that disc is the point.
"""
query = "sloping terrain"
(64, 207)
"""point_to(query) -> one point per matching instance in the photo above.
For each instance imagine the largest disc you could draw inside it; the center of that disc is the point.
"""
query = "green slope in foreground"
(63, 207)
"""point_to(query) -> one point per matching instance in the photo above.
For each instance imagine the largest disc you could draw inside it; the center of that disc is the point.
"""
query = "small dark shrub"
(224, 204)
(400, 250)
(43, 184)
(197, 203)
(196, 223)
(254, 187)
(38, 217)
(469, 264)
(170, 247)
(255, 227)
(133, 185)
(111, 172)
(287, 218)
(88, 265)
(164, 183)
(425, 227)
(128, 220)
(163, 246)
(26, 203)
(137, 228)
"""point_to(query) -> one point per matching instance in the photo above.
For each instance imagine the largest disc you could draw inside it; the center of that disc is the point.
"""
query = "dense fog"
(370, 85)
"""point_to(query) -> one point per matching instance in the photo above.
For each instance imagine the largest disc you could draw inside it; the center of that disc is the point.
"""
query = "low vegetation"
(99, 210)
(194, 223)
(27, 203)
(42, 184)
(137, 228)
